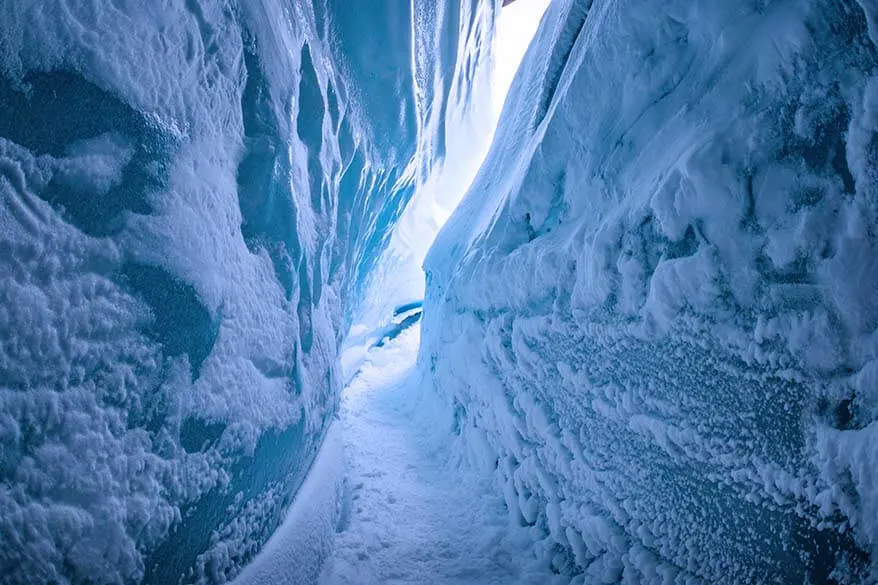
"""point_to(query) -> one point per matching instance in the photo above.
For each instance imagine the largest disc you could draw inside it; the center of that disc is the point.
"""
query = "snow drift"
(192, 196)
(655, 313)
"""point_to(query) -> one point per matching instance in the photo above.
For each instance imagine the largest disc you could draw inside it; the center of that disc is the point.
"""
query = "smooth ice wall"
(654, 313)
(193, 195)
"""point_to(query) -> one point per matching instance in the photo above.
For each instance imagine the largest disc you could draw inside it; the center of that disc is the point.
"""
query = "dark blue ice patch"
(180, 321)
(396, 329)
(49, 112)
(199, 435)
(405, 308)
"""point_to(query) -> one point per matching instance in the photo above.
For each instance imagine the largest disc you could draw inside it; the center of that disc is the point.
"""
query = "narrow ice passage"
(415, 509)
(414, 513)
(637, 260)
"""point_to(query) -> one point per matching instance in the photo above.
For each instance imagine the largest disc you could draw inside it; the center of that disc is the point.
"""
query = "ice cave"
(438, 292)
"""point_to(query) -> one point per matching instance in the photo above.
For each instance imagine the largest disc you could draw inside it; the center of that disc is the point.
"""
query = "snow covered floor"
(413, 513)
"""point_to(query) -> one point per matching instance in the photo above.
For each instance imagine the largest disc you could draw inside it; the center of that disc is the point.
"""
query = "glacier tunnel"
(360, 292)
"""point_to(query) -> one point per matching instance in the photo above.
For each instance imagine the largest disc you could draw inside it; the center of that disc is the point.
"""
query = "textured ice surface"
(192, 195)
(655, 312)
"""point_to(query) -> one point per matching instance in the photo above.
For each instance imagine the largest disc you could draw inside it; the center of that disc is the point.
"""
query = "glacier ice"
(193, 195)
(650, 323)
(654, 313)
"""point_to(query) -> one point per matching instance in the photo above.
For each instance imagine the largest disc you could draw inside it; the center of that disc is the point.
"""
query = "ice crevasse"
(654, 314)
(193, 194)
(652, 319)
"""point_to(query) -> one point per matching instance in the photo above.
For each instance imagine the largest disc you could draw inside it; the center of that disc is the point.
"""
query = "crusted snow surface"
(656, 310)
(413, 513)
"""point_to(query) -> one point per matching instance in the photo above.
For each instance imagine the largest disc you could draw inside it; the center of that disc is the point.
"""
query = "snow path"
(411, 514)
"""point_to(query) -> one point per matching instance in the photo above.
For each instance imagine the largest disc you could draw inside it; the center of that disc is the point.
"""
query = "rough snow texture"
(656, 311)
(412, 514)
(190, 194)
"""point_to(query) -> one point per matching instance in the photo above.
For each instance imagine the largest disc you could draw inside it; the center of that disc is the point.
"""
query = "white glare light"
(516, 27)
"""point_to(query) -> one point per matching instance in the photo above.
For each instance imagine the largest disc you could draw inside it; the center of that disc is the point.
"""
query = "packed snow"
(412, 513)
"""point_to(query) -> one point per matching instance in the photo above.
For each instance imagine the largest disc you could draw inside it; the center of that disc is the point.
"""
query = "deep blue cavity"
(396, 329)
(309, 125)
(264, 195)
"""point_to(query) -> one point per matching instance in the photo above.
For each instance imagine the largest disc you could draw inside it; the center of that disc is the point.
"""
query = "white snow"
(413, 513)
(656, 304)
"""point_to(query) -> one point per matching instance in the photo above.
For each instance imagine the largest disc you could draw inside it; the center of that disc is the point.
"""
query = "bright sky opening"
(516, 27)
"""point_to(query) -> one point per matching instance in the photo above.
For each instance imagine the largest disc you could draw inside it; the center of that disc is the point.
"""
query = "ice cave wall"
(655, 313)
(193, 193)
